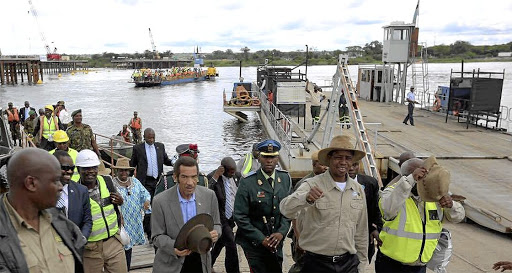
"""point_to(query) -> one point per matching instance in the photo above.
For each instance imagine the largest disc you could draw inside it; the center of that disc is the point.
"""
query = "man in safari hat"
(334, 230)
(412, 226)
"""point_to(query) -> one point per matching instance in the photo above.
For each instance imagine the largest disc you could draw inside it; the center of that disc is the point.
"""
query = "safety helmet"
(87, 158)
(60, 136)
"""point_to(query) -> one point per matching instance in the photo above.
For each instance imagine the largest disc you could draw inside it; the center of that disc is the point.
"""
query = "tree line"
(369, 53)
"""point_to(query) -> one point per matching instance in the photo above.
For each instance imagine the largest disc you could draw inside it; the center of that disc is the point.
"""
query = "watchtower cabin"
(399, 49)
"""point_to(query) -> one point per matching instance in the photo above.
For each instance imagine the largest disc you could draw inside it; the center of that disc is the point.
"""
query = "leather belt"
(333, 259)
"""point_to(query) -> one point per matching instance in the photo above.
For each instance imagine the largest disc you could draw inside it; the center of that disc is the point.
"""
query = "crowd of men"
(62, 214)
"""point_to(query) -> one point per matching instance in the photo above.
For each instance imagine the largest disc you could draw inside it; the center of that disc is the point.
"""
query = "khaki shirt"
(44, 251)
(335, 224)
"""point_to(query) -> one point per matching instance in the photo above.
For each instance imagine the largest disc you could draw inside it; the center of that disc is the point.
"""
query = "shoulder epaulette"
(249, 174)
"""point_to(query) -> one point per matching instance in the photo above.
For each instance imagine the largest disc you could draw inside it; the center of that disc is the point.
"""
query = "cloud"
(115, 45)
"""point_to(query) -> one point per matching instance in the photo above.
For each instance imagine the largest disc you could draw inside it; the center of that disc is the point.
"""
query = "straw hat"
(123, 163)
(195, 234)
(339, 143)
(436, 183)
(102, 170)
(314, 156)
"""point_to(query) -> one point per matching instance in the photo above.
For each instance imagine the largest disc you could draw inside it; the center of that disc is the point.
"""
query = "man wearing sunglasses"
(74, 199)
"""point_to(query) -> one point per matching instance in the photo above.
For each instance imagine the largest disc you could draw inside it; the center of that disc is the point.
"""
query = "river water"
(187, 113)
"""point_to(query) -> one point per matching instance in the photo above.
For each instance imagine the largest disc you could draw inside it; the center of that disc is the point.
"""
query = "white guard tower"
(399, 48)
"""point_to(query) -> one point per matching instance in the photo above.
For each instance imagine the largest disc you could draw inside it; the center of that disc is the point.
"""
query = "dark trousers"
(261, 260)
(297, 256)
(315, 112)
(227, 240)
(410, 110)
(150, 185)
(384, 264)
(128, 254)
(320, 263)
(192, 264)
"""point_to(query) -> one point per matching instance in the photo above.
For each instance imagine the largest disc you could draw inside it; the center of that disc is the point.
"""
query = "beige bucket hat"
(436, 183)
(339, 143)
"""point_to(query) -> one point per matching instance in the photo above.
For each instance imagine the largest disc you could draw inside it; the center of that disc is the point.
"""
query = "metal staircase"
(342, 84)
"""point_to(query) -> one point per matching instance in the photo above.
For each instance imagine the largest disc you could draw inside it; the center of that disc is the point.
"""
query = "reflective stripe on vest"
(248, 162)
(12, 116)
(406, 239)
(49, 129)
(104, 218)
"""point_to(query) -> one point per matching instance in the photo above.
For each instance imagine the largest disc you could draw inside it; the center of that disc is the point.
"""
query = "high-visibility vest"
(13, 116)
(407, 238)
(48, 129)
(135, 123)
(73, 154)
(248, 163)
(104, 218)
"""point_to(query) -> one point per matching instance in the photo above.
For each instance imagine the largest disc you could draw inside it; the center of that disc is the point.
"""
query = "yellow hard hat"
(49, 106)
(60, 136)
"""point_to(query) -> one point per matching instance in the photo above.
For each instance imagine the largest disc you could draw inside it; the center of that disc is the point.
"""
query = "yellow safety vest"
(104, 218)
(49, 129)
(73, 154)
(407, 238)
(248, 161)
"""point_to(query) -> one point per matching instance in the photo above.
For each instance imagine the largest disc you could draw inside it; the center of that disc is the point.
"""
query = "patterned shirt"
(80, 138)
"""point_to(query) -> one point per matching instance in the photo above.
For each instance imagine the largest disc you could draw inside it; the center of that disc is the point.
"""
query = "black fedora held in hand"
(195, 234)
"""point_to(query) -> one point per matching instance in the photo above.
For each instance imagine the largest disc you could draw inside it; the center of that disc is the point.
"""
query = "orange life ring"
(255, 102)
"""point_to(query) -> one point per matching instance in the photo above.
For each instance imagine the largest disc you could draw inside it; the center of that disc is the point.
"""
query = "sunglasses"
(67, 168)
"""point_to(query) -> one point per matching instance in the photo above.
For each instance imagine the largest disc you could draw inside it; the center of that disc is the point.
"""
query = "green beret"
(32, 112)
(79, 111)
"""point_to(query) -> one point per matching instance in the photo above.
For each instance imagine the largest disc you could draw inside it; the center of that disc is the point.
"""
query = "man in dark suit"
(24, 112)
(74, 200)
(371, 190)
(148, 158)
(172, 209)
(224, 182)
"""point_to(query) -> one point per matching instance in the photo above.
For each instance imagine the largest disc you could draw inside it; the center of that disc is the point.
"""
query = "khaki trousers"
(105, 255)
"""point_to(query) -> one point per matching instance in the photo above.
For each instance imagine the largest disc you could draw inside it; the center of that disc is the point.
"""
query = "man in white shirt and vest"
(412, 226)
(411, 99)
(104, 250)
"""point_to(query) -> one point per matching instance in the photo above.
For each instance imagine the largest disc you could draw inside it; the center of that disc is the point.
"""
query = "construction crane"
(50, 55)
(155, 52)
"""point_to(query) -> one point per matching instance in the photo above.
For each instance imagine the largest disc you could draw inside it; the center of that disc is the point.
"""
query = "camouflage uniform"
(29, 126)
(80, 138)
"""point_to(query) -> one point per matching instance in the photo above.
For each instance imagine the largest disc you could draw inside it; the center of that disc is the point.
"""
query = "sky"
(121, 26)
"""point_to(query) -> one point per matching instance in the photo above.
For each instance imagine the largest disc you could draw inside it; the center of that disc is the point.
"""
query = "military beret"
(60, 102)
(79, 111)
(187, 150)
(32, 112)
(10, 103)
(269, 147)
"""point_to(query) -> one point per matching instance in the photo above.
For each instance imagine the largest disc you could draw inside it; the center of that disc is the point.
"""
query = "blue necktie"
(229, 198)
(154, 166)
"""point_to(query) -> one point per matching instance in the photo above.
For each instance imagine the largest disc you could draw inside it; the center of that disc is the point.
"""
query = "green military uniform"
(29, 126)
(167, 182)
(256, 198)
(80, 138)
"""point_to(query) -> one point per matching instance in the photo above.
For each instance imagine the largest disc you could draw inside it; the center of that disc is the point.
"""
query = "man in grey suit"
(172, 209)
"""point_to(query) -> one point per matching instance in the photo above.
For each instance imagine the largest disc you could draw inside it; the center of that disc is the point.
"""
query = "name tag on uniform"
(261, 194)
(432, 215)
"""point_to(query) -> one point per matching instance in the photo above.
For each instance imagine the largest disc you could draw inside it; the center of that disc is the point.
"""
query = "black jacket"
(22, 113)
(371, 189)
(220, 191)
(139, 160)
(12, 258)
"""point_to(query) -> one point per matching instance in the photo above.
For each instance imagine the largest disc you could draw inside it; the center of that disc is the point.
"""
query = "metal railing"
(280, 123)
